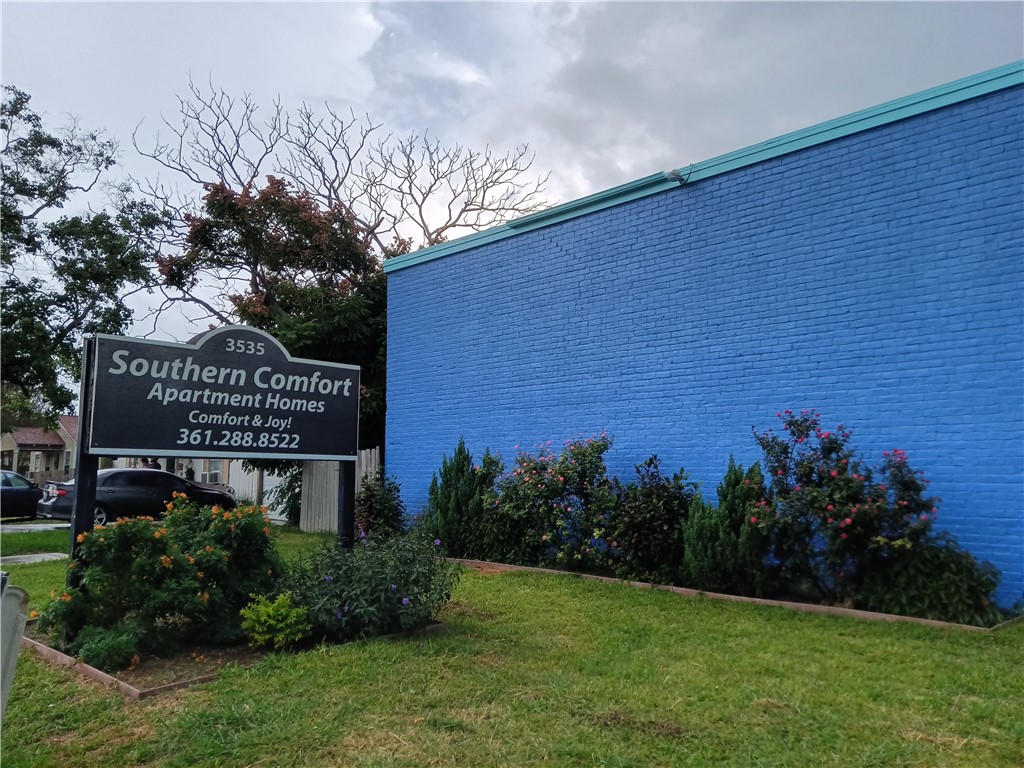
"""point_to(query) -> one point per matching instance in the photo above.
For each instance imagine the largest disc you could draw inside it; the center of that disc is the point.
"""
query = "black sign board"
(236, 392)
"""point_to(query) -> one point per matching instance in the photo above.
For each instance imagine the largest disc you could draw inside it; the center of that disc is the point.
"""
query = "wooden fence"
(319, 511)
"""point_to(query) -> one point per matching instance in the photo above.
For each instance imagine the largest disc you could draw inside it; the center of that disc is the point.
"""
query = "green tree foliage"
(302, 273)
(63, 276)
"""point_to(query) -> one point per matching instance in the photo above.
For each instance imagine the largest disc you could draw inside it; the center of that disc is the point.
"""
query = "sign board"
(236, 393)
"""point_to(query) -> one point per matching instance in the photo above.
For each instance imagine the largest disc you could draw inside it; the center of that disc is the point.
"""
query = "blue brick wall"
(878, 278)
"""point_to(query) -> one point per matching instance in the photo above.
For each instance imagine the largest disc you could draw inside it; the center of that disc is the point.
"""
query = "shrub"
(645, 529)
(185, 577)
(377, 588)
(552, 509)
(276, 624)
(938, 580)
(859, 533)
(107, 647)
(380, 511)
(725, 548)
(455, 501)
(832, 519)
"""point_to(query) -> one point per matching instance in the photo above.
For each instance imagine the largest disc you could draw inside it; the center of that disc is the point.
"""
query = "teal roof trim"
(866, 119)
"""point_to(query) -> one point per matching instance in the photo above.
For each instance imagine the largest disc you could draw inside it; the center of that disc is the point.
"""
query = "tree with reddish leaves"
(297, 270)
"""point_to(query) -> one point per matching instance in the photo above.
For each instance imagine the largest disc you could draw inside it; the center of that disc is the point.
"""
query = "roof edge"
(899, 109)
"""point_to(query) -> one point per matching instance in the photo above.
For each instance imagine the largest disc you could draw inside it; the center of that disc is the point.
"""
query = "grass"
(561, 671)
(34, 541)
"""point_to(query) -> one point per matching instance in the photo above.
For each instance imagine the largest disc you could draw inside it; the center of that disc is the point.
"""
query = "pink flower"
(835, 473)
(848, 521)
(830, 521)
(830, 508)
(753, 519)
(798, 489)
(842, 535)
(779, 473)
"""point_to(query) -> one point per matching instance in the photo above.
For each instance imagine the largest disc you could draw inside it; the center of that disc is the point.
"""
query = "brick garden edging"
(850, 613)
(91, 673)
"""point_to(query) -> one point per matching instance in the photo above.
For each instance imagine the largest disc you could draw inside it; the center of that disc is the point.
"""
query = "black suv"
(129, 493)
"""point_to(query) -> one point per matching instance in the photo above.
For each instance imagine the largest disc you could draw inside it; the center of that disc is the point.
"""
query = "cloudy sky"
(604, 93)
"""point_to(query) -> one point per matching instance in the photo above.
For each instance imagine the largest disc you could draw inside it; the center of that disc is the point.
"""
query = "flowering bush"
(725, 547)
(859, 533)
(645, 529)
(185, 576)
(552, 509)
(377, 588)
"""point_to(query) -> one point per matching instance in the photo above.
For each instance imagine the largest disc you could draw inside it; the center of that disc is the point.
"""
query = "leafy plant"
(107, 647)
(938, 580)
(645, 530)
(725, 547)
(185, 577)
(552, 509)
(377, 588)
(455, 501)
(850, 529)
(380, 511)
(276, 624)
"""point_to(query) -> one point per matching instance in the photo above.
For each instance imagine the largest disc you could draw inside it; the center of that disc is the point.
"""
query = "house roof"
(925, 101)
(35, 437)
(70, 424)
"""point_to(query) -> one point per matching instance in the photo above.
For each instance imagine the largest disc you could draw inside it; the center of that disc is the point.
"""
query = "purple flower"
(338, 614)
(406, 601)
(437, 542)
(394, 587)
(327, 579)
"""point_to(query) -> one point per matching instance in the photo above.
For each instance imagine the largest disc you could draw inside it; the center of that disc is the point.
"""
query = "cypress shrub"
(724, 548)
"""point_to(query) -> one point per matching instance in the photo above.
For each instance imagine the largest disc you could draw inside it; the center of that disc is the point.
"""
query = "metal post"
(86, 464)
(346, 503)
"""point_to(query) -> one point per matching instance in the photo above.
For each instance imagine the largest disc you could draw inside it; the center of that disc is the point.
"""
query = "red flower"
(842, 535)
(753, 519)
(830, 508)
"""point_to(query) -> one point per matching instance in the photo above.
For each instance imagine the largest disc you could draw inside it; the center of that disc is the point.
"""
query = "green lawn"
(560, 671)
(34, 541)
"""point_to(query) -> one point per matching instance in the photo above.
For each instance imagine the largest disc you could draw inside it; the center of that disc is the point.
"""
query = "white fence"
(319, 511)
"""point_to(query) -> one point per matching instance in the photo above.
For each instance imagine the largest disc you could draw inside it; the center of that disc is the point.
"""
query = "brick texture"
(878, 278)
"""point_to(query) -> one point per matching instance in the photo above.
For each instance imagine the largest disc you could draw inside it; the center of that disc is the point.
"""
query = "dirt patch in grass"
(199, 663)
(619, 721)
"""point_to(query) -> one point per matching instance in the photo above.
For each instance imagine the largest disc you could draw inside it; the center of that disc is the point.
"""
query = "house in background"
(40, 454)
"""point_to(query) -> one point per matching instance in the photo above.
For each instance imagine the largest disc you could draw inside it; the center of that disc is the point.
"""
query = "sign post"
(86, 464)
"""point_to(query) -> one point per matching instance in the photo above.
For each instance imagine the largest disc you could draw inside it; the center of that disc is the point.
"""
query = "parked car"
(18, 495)
(129, 493)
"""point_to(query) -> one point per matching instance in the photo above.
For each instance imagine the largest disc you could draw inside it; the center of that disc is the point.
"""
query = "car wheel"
(99, 517)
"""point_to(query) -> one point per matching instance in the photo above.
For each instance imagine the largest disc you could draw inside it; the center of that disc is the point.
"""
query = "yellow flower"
(80, 538)
(200, 575)
(33, 615)
(215, 509)
(159, 532)
(166, 561)
(169, 505)
(190, 559)
(209, 548)
(227, 515)
(266, 531)
(99, 527)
